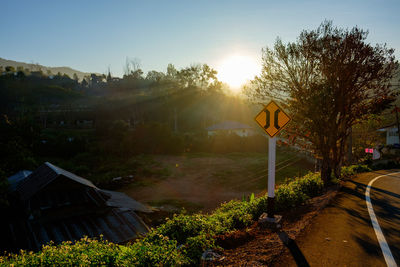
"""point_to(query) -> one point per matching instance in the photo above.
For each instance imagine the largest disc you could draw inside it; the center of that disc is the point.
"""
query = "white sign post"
(272, 120)
(271, 176)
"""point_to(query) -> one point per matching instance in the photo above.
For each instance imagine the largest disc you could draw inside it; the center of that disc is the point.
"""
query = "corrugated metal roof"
(228, 125)
(118, 226)
(70, 175)
(62, 213)
(17, 178)
(121, 200)
(44, 175)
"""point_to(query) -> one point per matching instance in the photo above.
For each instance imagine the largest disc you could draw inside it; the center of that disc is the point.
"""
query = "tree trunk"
(326, 171)
(337, 169)
(349, 158)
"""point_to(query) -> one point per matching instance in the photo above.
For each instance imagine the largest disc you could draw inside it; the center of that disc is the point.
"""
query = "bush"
(83, 252)
(311, 184)
(183, 226)
(348, 171)
(288, 196)
(195, 246)
(153, 250)
(181, 239)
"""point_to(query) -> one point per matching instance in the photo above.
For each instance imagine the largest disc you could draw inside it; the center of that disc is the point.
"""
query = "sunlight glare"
(237, 70)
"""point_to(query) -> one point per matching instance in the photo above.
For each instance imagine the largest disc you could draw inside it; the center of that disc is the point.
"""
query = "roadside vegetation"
(182, 239)
(330, 80)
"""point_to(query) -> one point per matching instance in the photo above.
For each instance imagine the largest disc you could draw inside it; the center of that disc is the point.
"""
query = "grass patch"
(102, 170)
(179, 204)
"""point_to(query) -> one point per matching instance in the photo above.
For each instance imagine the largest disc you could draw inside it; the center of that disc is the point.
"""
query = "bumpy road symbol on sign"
(272, 113)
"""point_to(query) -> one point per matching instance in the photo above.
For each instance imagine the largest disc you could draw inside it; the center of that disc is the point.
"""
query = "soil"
(191, 181)
(255, 246)
(203, 183)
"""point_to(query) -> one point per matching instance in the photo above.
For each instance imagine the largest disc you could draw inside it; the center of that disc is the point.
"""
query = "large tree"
(329, 80)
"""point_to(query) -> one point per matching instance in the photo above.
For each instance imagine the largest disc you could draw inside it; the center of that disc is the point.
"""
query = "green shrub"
(362, 168)
(153, 250)
(183, 226)
(181, 239)
(288, 196)
(348, 171)
(297, 191)
(233, 214)
(311, 184)
(195, 246)
(81, 253)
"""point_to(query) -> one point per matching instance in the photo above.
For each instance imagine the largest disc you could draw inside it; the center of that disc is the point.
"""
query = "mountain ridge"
(35, 67)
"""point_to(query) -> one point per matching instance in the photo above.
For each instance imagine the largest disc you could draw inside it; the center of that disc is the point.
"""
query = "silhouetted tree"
(329, 79)
(10, 69)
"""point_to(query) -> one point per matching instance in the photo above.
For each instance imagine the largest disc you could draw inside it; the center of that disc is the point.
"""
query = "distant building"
(85, 123)
(392, 135)
(53, 204)
(231, 127)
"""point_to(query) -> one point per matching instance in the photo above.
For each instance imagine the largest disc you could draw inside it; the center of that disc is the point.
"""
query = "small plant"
(181, 239)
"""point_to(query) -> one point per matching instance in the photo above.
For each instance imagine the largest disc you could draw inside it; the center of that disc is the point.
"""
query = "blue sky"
(93, 35)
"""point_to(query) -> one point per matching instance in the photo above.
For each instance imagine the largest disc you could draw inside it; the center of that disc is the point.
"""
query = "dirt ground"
(261, 247)
(202, 182)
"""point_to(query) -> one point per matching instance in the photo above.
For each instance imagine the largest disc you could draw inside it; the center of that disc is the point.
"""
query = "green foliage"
(181, 239)
(298, 191)
(181, 227)
(288, 196)
(252, 197)
(84, 252)
(153, 250)
(311, 184)
(195, 246)
(348, 171)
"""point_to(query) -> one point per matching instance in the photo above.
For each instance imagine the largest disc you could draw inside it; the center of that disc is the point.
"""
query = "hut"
(53, 204)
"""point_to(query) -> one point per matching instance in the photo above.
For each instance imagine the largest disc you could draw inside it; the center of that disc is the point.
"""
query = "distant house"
(85, 123)
(392, 135)
(231, 127)
(53, 204)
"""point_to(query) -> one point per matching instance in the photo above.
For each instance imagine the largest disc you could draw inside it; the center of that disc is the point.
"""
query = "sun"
(236, 70)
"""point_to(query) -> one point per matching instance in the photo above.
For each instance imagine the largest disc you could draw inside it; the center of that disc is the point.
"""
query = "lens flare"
(236, 70)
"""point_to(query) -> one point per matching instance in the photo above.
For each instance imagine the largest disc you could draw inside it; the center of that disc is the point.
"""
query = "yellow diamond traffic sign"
(272, 119)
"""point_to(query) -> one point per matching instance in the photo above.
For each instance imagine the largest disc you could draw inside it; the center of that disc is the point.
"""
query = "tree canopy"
(329, 79)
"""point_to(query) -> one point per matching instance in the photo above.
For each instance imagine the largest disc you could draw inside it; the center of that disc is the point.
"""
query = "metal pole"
(271, 177)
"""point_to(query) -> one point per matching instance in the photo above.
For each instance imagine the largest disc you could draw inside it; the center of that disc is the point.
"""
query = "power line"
(256, 178)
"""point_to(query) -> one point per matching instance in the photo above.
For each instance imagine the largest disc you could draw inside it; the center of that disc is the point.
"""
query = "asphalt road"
(343, 235)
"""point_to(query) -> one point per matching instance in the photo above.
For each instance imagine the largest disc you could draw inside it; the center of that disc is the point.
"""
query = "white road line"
(378, 231)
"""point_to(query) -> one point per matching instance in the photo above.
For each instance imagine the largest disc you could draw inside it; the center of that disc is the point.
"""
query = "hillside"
(35, 67)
